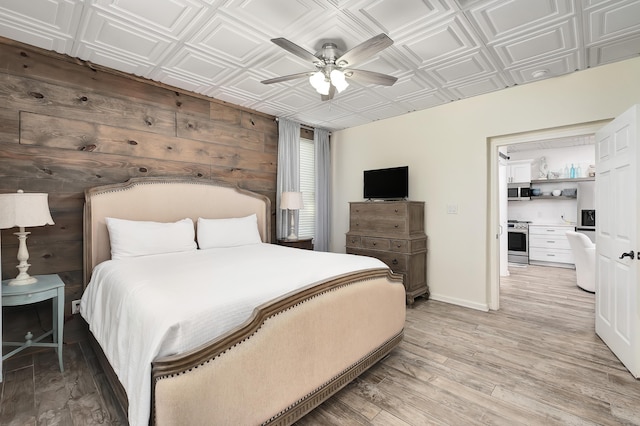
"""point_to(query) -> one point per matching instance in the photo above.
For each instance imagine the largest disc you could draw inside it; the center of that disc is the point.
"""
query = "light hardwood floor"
(537, 361)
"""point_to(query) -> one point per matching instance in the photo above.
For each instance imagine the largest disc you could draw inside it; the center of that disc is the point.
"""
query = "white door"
(617, 242)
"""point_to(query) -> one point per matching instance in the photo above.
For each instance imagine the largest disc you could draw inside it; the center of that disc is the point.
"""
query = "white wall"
(447, 152)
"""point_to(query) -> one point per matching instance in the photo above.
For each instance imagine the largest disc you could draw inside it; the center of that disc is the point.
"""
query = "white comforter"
(146, 307)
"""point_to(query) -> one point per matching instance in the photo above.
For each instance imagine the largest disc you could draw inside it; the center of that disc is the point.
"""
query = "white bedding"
(145, 307)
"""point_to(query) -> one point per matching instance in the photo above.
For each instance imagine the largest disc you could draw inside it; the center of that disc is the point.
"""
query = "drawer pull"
(394, 262)
(399, 245)
(551, 230)
(374, 243)
(396, 210)
(551, 255)
(396, 226)
(551, 242)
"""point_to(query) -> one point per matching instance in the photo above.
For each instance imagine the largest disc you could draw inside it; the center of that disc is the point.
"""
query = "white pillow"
(131, 238)
(233, 232)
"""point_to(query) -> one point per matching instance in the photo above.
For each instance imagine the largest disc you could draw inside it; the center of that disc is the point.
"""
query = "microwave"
(518, 192)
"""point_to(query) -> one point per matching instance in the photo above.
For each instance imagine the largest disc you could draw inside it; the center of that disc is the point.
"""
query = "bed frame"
(292, 354)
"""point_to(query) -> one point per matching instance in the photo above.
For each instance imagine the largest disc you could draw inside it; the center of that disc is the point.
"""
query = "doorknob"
(631, 254)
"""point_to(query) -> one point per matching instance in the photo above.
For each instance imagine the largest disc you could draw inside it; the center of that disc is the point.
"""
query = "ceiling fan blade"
(295, 49)
(287, 77)
(373, 77)
(364, 50)
(332, 92)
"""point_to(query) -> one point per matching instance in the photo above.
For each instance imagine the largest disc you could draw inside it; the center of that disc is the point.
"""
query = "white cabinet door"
(519, 171)
(617, 298)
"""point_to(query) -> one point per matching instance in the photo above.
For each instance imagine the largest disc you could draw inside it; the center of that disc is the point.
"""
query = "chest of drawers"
(392, 231)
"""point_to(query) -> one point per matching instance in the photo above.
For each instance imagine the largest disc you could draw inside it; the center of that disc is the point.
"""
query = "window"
(307, 216)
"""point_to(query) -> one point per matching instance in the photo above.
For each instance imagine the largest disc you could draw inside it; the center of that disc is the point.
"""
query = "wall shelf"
(550, 197)
(541, 181)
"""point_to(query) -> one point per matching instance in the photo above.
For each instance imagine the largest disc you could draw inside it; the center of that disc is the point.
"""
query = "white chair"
(584, 256)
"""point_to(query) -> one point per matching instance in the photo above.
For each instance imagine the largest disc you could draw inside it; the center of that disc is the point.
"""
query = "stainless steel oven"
(518, 242)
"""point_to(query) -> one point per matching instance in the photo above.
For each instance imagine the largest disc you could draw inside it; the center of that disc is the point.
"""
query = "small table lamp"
(20, 209)
(291, 201)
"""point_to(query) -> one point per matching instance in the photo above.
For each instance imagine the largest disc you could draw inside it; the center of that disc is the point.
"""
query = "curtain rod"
(303, 126)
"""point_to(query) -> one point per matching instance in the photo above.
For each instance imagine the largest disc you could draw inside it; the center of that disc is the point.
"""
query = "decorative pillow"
(228, 232)
(131, 238)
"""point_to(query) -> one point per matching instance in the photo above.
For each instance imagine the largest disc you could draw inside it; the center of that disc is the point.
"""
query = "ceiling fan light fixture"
(320, 83)
(338, 80)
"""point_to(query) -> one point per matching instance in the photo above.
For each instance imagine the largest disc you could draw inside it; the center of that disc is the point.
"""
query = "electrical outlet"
(75, 307)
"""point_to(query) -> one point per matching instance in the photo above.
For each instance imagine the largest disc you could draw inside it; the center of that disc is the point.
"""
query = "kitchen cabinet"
(519, 171)
(548, 245)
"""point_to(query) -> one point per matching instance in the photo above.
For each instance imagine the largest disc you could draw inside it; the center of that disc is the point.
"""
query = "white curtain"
(288, 178)
(323, 185)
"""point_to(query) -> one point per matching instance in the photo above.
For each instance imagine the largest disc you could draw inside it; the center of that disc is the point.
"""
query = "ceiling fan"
(333, 68)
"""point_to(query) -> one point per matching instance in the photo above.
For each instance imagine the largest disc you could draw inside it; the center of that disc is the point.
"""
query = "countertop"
(571, 225)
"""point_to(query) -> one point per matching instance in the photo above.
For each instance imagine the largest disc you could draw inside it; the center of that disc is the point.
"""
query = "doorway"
(495, 227)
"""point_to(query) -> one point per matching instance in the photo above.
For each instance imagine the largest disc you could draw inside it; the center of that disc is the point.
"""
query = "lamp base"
(292, 226)
(23, 280)
(23, 277)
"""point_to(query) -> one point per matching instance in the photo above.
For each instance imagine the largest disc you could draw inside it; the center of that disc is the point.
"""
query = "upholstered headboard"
(164, 200)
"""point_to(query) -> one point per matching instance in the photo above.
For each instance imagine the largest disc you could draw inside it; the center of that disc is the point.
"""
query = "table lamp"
(291, 201)
(23, 209)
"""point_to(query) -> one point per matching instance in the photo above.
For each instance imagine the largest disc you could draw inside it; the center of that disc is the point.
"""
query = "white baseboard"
(460, 302)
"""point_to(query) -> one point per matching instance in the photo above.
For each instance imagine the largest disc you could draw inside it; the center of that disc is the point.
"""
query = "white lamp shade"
(338, 80)
(24, 210)
(320, 83)
(291, 201)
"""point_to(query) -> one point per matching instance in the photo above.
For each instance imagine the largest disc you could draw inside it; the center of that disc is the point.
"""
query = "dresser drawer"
(550, 255)
(399, 246)
(376, 210)
(378, 225)
(375, 243)
(354, 241)
(397, 262)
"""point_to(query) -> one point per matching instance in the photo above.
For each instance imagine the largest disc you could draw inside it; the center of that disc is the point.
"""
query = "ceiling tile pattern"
(443, 51)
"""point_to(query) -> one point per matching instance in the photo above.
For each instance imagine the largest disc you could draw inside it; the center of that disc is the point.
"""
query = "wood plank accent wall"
(66, 125)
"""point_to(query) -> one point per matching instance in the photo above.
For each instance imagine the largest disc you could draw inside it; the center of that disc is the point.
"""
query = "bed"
(273, 362)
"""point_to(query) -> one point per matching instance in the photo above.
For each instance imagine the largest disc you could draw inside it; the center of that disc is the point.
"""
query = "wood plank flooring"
(536, 361)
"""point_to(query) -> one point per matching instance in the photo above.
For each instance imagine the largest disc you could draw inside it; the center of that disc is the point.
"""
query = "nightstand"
(47, 287)
(302, 243)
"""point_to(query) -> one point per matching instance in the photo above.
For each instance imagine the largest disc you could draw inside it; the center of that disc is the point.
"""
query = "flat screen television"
(386, 184)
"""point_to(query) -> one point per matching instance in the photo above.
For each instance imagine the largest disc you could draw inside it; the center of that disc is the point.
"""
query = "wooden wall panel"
(204, 129)
(27, 94)
(9, 125)
(23, 62)
(42, 130)
(67, 125)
